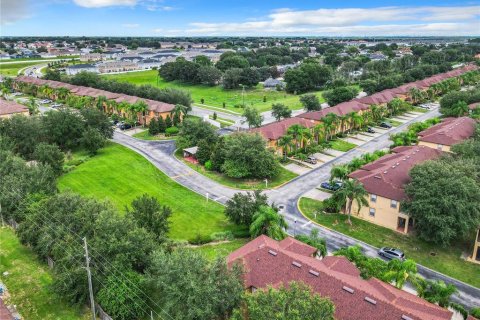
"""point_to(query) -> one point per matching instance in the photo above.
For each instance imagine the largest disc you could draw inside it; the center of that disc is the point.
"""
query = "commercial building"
(274, 263)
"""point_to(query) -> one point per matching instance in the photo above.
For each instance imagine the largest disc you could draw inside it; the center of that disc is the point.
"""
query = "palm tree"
(139, 107)
(434, 291)
(319, 131)
(62, 93)
(376, 112)
(295, 131)
(353, 190)
(32, 106)
(343, 120)
(416, 95)
(400, 271)
(339, 172)
(285, 142)
(357, 120)
(5, 92)
(267, 221)
(101, 101)
(305, 137)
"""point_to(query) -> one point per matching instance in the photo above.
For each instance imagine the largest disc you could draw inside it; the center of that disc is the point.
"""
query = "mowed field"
(28, 282)
(215, 96)
(11, 69)
(119, 175)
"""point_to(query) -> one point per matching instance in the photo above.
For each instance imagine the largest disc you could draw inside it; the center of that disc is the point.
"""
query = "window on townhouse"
(373, 198)
(393, 204)
(372, 212)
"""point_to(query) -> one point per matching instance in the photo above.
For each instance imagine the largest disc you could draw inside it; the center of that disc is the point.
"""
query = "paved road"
(161, 155)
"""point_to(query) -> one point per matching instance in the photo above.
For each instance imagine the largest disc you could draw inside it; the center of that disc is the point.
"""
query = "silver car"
(391, 253)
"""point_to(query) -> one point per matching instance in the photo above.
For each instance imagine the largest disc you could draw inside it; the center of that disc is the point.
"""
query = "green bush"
(200, 239)
(475, 312)
(208, 165)
(171, 131)
(220, 236)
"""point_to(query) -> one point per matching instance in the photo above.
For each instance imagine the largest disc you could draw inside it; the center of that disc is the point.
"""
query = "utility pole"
(90, 288)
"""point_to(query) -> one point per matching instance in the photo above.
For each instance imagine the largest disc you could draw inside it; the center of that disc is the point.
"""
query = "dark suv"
(385, 125)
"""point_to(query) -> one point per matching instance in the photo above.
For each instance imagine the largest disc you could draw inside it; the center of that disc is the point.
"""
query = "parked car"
(370, 130)
(385, 125)
(311, 159)
(331, 186)
(45, 101)
(391, 253)
(56, 105)
(125, 126)
(425, 106)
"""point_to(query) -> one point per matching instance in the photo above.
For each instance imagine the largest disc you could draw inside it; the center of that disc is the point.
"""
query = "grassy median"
(445, 260)
(119, 175)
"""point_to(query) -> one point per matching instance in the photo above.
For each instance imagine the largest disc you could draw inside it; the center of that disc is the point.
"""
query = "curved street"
(160, 153)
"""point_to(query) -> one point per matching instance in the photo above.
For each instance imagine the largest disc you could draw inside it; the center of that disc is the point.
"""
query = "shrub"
(220, 236)
(208, 165)
(475, 312)
(171, 131)
(200, 239)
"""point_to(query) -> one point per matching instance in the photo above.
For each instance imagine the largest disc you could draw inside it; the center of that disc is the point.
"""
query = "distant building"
(77, 68)
(87, 57)
(271, 83)
(117, 66)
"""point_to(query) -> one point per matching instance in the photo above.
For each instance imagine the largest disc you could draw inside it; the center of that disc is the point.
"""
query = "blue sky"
(231, 17)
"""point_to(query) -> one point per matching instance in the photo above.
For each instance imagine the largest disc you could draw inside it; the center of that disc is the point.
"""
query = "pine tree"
(161, 125)
(176, 119)
(168, 122)
(153, 127)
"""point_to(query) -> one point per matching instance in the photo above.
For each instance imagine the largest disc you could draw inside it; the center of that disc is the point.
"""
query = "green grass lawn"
(394, 123)
(247, 184)
(28, 283)
(144, 135)
(35, 59)
(446, 260)
(211, 251)
(341, 145)
(421, 110)
(11, 69)
(119, 175)
(215, 96)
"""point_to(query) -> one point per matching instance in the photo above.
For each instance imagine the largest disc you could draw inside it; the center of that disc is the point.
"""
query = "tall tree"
(241, 208)
(252, 117)
(279, 111)
(269, 222)
(310, 102)
(297, 302)
(148, 213)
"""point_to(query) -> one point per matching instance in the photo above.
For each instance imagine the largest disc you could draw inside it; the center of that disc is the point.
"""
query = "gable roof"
(388, 175)
(267, 263)
(449, 132)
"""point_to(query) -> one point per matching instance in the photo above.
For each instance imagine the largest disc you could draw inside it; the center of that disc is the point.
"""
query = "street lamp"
(266, 183)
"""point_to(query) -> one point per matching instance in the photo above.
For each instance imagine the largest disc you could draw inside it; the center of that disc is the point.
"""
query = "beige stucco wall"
(385, 216)
(434, 146)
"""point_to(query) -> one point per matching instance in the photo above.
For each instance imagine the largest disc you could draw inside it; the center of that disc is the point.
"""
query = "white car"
(45, 101)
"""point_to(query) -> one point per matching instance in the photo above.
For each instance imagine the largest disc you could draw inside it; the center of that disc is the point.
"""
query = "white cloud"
(13, 10)
(104, 3)
(130, 25)
(353, 21)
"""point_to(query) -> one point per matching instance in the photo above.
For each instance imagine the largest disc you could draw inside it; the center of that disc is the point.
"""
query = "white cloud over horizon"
(104, 3)
(353, 21)
(13, 10)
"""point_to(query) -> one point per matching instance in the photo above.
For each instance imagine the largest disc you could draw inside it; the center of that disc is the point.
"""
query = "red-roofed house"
(384, 180)
(270, 263)
(155, 108)
(447, 133)
(10, 108)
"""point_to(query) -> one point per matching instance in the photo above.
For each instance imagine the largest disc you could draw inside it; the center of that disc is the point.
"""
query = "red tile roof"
(268, 264)
(384, 96)
(11, 107)
(449, 132)
(153, 105)
(5, 314)
(388, 175)
(275, 130)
